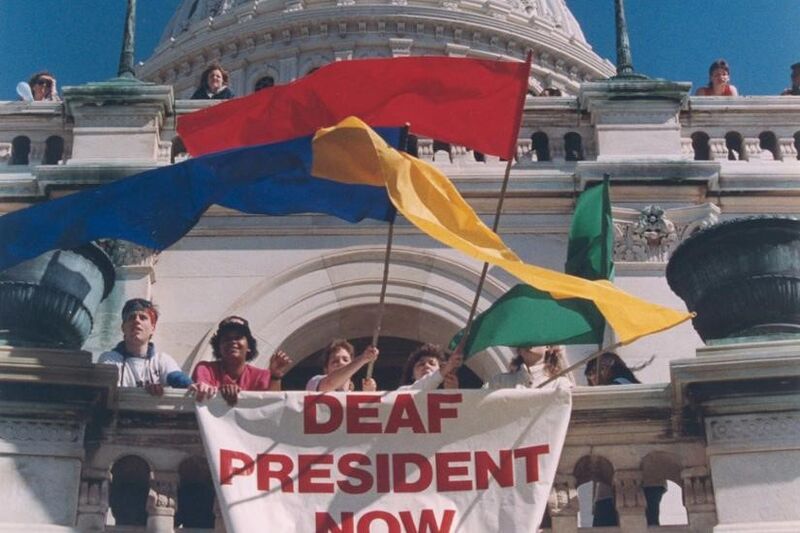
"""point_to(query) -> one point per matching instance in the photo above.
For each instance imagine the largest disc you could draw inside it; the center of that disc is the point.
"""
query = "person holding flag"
(532, 366)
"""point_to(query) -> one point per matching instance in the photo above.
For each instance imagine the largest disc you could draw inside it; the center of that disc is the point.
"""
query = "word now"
(359, 413)
(358, 473)
(325, 523)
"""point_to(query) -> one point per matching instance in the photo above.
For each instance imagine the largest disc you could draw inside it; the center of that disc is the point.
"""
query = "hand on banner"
(202, 391)
(369, 385)
(230, 391)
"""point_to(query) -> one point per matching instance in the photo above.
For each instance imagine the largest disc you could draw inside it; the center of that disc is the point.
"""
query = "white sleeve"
(313, 383)
(166, 365)
(429, 382)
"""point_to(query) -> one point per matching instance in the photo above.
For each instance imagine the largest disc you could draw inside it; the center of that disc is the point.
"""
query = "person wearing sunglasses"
(137, 360)
(233, 345)
(43, 87)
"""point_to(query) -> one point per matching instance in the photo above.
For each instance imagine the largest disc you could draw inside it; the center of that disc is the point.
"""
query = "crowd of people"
(233, 346)
(214, 84)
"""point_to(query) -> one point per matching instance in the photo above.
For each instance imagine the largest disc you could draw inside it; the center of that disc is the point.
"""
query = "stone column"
(635, 119)
(563, 504)
(698, 498)
(161, 502)
(629, 500)
(93, 500)
(117, 122)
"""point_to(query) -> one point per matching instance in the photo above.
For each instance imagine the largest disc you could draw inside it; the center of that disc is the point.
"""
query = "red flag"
(473, 102)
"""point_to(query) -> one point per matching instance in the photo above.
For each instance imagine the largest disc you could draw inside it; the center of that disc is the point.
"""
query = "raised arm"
(339, 377)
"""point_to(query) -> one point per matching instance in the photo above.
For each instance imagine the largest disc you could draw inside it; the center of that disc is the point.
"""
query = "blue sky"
(79, 40)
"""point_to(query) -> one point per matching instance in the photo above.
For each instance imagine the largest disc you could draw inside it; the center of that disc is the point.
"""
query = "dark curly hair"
(426, 350)
(241, 325)
(614, 364)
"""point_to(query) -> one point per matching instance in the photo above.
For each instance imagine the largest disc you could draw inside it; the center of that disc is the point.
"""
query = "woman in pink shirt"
(233, 345)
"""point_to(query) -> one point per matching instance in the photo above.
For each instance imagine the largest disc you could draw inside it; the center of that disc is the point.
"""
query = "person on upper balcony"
(794, 90)
(213, 84)
(136, 358)
(43, 87)
(719, 81)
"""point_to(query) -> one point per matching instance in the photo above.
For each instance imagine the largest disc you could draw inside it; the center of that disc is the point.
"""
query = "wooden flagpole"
(497, 214)
(593, 355)
(376, 332)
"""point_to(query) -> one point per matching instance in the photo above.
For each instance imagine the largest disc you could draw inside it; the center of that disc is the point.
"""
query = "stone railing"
(756, 128)
(33, 134)
(159, 437)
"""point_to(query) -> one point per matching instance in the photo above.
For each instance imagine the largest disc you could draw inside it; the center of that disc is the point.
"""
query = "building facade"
(719, 423)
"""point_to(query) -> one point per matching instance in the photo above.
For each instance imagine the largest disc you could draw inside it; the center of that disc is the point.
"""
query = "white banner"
(395, 462)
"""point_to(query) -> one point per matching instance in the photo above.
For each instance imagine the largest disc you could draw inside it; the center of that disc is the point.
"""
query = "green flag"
(591, 239)
(525, 316)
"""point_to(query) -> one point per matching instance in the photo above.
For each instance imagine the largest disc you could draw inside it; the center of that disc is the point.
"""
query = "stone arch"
(701, 146)
(258, 73)
(590, 470)
(130, 485)
(336, 295)
(53, 150)
(659, 468)
(769, 142)
(195, 497)
(573, 146)
(20, 150)
(797, 143)
(734, 142)
(540, 146)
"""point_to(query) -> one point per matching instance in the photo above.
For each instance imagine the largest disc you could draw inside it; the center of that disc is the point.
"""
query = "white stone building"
(720, 423)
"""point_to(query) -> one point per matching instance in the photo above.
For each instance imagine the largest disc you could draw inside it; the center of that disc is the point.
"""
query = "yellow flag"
(351, 152)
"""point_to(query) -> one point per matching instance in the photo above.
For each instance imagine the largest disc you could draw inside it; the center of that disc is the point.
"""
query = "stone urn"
(741, 277)
(50, 301)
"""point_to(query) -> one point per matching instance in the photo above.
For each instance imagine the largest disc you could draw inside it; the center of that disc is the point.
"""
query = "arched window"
(540, 144)
(662, 492)
(195, 494)
(263, 83)
(594, 477)
(20, 150)
(768, 142)
(53, 150)
(735, 145)
(130, 484)
(701, 146)
(441, 146)
(479, 156)
(797, 143)
(573, 147)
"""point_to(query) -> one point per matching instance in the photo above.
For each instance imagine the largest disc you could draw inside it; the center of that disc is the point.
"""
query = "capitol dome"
(278, 41)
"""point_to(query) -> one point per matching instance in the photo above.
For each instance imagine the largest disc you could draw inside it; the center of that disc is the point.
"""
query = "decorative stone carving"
(26, 431)
(125, 254)
(5, 153)
(161, 502)
(654, 233)
(697, 488)
(93, 501)
(777, 426)
(628, 490)
(563, 498)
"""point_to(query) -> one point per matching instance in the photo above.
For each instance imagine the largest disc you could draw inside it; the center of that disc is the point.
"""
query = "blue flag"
(159, 206)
